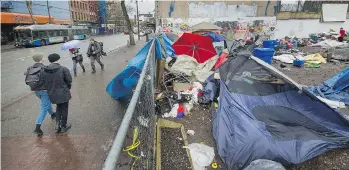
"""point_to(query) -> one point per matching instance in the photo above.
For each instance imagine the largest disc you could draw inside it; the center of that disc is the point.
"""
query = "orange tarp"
(17, 18)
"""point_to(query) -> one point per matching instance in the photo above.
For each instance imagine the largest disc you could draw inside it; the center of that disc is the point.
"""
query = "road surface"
(15, 61)
(94, 116)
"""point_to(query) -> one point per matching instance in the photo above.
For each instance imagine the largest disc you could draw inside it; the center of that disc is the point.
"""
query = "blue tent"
(214, 36)
(263, 114)
(335, 88)
(122, 84)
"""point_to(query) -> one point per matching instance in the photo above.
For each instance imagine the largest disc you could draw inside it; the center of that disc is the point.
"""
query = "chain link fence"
(133, 147)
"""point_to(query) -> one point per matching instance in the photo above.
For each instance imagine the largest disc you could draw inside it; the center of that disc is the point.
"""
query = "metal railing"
(134, 142)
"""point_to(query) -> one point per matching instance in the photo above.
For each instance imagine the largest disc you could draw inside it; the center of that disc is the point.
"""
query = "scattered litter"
(143, 121)
(314, 59)
(285, 58)
(173, 112)
(191, 132)
(201, 155)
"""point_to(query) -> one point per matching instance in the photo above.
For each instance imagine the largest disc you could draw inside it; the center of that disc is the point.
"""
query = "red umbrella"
(199, 47)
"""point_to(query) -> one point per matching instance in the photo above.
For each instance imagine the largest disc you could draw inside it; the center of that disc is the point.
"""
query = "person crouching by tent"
(341, 35)
(77, 58)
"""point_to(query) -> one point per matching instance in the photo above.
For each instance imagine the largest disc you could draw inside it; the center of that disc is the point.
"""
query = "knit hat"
(53, 57)
(38, 57)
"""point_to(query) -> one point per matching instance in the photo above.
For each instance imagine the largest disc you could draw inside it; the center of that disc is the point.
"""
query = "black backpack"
(34, 78)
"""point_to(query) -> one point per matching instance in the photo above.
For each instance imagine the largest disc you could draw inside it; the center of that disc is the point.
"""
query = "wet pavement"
(15, 61)
(94, 116)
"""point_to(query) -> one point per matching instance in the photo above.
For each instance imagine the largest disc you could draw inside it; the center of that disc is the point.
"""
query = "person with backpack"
(34, 79)
(94, 53)
(58, 82)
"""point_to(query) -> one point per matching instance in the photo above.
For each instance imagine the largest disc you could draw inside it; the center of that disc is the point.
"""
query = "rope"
(133, 146)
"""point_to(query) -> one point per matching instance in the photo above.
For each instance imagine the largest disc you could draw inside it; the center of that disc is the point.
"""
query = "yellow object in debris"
(202, 143)
(315, 59)
(214, 165)
(215, 105)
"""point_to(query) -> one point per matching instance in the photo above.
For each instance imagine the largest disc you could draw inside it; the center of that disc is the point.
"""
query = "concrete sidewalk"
(94, 115)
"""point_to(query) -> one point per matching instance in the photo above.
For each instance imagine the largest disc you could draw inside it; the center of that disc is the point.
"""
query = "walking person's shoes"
(93, 71)
(65, 128)
(83, 69)
(38, 131)
(75, 75)
(58, 126)
(102, 67)
(53, 115)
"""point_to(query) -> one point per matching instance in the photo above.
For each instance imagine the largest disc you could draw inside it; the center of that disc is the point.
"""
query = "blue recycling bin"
(269, 43)
(265, 54)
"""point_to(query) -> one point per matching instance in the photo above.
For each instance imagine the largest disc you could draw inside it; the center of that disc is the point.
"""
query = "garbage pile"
(259, 114)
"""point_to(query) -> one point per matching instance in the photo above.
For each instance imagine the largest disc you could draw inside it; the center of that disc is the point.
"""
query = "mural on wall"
(245, 30)
(236, 29)
(220, 9)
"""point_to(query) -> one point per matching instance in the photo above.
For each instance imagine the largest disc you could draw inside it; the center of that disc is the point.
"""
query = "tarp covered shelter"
(335, 88)
(205, 26)
(122, 84)
(263, 114)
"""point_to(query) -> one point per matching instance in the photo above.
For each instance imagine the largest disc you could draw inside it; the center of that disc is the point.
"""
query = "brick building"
(85, 13)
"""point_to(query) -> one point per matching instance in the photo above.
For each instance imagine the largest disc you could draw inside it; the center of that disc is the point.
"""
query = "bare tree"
(128, 23)
(29, 6)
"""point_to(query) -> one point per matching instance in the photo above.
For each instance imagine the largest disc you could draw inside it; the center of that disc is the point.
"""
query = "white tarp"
(189, 66)
(334, 12)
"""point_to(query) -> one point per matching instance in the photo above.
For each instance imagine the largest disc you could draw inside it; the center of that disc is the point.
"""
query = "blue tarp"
(335, 88)
(214, 36)
(261, 120)
(121, 85)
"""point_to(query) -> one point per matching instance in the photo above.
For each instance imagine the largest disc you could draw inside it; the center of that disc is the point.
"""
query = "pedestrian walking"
(34, 78)
(94, 53)
(77, 58)
(58, 82)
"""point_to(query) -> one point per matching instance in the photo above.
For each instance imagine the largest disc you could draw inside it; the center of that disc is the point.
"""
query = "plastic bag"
(263, 164)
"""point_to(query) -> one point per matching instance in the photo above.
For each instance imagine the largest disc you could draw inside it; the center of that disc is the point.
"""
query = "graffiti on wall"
(235, 29)
(245, 30)
(220, 9)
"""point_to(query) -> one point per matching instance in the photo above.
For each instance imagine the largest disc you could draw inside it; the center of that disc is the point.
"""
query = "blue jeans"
(46, 106)
(75, 63)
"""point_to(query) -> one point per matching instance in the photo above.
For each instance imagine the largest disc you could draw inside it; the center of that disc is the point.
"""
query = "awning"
(18, 18)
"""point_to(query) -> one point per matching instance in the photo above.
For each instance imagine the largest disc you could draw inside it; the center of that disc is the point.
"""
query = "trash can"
(269, 43)
(265, 54)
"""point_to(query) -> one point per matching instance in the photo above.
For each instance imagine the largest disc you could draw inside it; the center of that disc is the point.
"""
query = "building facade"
(14, 13)
(115, 18)
(85, 13)
(102, 14)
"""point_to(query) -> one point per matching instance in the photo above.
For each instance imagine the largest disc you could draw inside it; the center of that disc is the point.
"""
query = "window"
(50, 33)
(42, 34)
(65, 33)
(35, 34)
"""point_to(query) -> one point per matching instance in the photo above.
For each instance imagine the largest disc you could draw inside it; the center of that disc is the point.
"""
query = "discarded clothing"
(314, 59)
(330, 44)
(335, 88)
(214, 36)
(260, 119)
(285, 58)
(189, 66)
(222, 58)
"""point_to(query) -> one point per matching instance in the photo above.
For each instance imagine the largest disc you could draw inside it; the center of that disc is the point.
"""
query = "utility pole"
(49, 15)
(137, 20)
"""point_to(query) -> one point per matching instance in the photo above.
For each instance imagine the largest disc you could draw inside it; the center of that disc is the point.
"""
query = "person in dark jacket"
(40, 92)
(58, 82)
(94, 53)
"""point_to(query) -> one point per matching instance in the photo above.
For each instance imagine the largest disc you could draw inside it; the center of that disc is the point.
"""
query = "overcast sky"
(144, 6)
